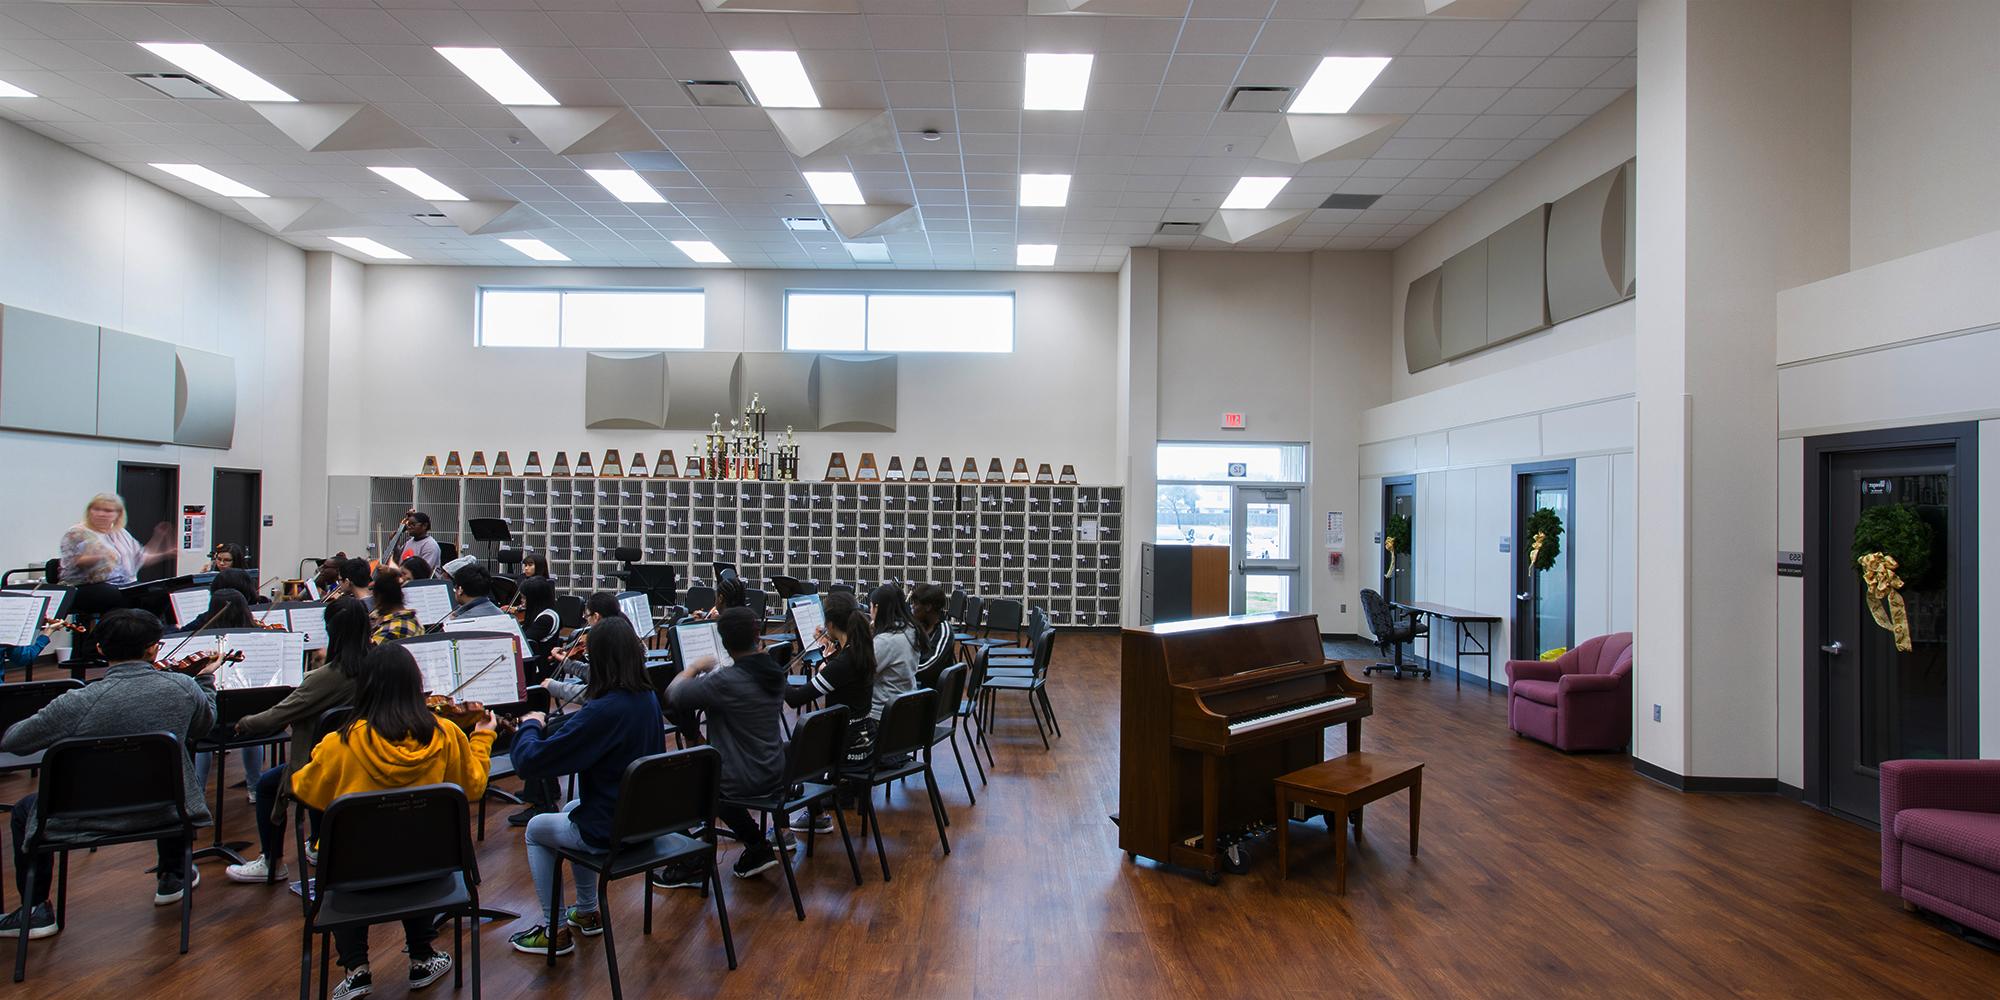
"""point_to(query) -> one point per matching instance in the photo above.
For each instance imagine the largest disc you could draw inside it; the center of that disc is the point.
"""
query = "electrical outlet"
(1656, 713)
(1343, 609)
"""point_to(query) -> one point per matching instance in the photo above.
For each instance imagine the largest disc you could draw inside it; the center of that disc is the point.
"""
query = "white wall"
(1051, 400)
(1926, 125)
(89, 242)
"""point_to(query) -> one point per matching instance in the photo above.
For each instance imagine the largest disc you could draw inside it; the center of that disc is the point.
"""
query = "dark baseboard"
(1726, 786)
(1793, 792)
(1339, 637)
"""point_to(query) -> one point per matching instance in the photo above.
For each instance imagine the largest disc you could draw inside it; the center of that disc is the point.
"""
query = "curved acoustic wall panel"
(135, 387)
(1516, 298)
(48, 373)
(1420, 323)
(856, 392)
(701, 384)
(1462, 309)
(625, 391)
(1590, 246)
(782, 381)
(204, 398)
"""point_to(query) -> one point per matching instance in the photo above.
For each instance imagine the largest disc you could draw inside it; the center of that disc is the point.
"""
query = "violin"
(194, 663)
(64, 625)
(467, 715)
(274, 627)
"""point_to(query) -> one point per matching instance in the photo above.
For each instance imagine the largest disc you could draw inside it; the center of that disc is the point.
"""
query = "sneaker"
(312, 853)
(588, 924)
(535, 941)
(170, 888)
(255, 871)
(680, 877)
(787, 841)
(755, 861)
(806, 820)
(41, 923)
(357, 984)
(424, 972)
(520, 817)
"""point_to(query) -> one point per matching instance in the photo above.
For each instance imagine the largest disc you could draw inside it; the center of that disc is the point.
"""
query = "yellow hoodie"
(365, 762)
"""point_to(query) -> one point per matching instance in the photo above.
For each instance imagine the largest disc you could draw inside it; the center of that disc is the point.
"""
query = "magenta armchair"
(1941, 838)
(1580, 701)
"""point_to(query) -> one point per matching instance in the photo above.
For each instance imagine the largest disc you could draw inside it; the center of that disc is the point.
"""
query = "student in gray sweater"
(132, 698)
(741, 703)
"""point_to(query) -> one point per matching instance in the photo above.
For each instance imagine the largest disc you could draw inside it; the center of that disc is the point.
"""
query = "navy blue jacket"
(597, 743)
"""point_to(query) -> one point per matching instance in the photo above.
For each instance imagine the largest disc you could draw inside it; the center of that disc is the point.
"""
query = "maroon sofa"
(1579, 701)
(1941, 838)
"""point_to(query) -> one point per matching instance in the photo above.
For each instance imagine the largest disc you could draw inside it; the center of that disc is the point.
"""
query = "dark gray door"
(239, 510)
(1399, 499)
(152, 504)
(1545, 601)
(1882, 704)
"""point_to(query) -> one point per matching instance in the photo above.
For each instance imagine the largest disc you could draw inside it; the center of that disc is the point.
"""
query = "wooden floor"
(1541, 875)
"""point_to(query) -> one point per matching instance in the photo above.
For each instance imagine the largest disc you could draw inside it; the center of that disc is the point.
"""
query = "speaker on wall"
(625, 391)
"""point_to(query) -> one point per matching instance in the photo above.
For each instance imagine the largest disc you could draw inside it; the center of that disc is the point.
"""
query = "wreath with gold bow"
(1545, 528)
(1395, 539)
(1892, 549)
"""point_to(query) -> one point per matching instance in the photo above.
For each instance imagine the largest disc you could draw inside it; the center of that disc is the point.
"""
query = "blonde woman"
(99, 555)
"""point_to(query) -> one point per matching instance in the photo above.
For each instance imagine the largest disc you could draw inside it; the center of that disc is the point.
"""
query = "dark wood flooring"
(1541, 875)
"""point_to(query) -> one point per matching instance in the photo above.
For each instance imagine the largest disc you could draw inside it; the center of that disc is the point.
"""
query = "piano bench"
(1340, 786)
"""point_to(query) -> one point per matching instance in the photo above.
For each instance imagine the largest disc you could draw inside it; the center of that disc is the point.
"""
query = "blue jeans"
(271, 815)
(546, 833)
(253, 765)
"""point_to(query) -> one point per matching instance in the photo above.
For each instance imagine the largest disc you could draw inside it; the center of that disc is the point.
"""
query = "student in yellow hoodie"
(393, 741)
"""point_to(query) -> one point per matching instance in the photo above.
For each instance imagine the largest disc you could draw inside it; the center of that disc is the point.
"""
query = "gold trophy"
(430, 466)
(1044, 474)
(478, 464)
(613, 466)
(502, 466)
(452, 466)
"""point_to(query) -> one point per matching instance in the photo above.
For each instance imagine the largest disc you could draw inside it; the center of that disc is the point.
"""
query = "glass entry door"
(1399, 500)
(1544, 602)
(1269, 526)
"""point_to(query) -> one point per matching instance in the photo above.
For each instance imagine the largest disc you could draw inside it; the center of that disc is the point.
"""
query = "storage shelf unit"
(1016, 541)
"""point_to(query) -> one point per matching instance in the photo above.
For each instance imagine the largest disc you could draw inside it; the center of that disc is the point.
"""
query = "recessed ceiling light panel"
(369, 247)
(868, 253)
(1337, 84)
(701, 251)
(1044, 190)
(195, 173)
(1056, 81)
(219, 70)
(9, 90)
(1035, 255)
(777, 78)
(1255, 192)
(536, 249)
(498, 74)
(834, 187)
(418, 183)
(628, 186)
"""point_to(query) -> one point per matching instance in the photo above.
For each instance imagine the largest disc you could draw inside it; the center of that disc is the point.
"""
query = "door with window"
(1266, 546)
(1544, 600)
(1249, 497)
(1399, 507)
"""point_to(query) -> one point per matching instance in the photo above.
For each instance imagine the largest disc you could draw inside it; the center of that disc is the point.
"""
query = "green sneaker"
(535, 941)
(589, 924)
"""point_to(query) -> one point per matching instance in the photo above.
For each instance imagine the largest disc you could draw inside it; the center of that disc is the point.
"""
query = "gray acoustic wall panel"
(1589, 246)
(627, 391)
(857, 392)
(204, 398)
(1628, 195)
(1421, 347)
(135, 387)
(1516, 296)
(48, 373)
(782, 382)
(1462, 309)
(701, 384)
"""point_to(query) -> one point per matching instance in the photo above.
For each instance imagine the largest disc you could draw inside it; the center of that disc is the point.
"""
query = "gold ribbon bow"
(1885, 596)
(1390, 544)
(1535, 551)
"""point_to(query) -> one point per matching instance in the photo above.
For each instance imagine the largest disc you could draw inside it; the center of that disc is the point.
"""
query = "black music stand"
(490, 529)
(657, 582)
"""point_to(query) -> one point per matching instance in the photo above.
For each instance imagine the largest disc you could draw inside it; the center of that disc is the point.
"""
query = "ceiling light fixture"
(9, 90)
(419, 183)
(1035, 255)
(628, 186)
(536, 249)
(1056, 81)
(215, 68)
(1337, 84)
(1044, 190)
(195, 173)
(777, 78)
(498, 74)
(369, 247)
(1255, 192)
(869, 253)
(701, 251)
(834, 187)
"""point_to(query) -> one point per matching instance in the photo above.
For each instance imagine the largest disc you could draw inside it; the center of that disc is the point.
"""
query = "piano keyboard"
(1255, 722)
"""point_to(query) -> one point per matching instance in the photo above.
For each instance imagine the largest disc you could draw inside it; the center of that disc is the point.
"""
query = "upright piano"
(1211, 711)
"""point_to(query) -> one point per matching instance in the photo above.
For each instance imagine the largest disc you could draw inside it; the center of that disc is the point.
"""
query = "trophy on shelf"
(1068, 474)
(866, 471)
(561, 467)
(1044, 474)
(1020, 474)
(452, 466)
(694, 469)
(920, 472)
(836, 468)
(478, 464)
(501, 465)
(533, 467)
(583, 464)
(895, 473)
(638, 465)
(667, 467)
(993, 472)
(613, 467)
(430, 466)
(788, 457)
(714, 444)
(944, 473)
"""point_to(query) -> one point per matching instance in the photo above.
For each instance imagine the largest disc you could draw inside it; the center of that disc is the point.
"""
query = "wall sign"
(1336, 529)
(1876, 487)
(1239, 470)
(1233, 422)
(1791, 563)
(194, 528)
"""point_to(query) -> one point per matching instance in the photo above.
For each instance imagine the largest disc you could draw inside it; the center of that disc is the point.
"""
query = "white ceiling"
(1152, 145)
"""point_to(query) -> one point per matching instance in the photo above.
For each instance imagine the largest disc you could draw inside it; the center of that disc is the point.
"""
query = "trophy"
(1068, 474)
(612, 466)
(638, 465)
(666, 467)
(430, 466)
(836, 468)
(1020, 474)
(994, 473)
(895, 474)
(561, 467)
(969, 472)
(944, 474)
(502, 466)
(478, 464)
(452, 466)
(534, 464)
(920, 472)
(583, 464)
(1044, 474)
(866, 471)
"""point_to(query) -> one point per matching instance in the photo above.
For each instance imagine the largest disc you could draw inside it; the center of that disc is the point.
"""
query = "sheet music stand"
(490, 529)
(657, 582)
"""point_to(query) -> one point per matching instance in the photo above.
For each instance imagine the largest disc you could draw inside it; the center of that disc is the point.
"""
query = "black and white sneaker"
(755, 861)
(679, 877)
(169, 887)
(41, 923)
(424, 972)
(358, 984)
(804, 820)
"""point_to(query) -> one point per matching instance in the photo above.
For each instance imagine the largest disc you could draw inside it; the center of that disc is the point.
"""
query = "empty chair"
(812, 762)
(1038, 622)
(905, 733)
(1034, 685)
(1392, 627)
(951, 692)
(1002, 615)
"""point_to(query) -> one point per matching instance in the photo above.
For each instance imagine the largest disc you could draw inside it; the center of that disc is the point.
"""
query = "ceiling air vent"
(717, 93)
(1258, 99)
(1353, 202)
(433, 219)
(1179, 229)
(179, 86)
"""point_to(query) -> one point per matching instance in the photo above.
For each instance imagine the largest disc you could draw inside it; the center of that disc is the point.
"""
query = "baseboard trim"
(1339, 637)
(1713, 785)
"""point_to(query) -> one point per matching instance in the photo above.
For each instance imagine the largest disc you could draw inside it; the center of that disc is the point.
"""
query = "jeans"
(351, 945)
(546, 833)
(42, 867)
(253, 765)
(271, 813)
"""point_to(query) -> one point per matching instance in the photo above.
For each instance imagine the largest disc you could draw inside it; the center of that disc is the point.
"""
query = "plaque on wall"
(1020, 474)
(895, 473)
(478, 464)
(583, 467)
(502, 466)
(1044, 474)
(944, 473)
(920, 472)
(534, 466)
(561, 468)
(1068, 474)
(452, 465)
(430, 466)
(866, 471)
(613, 465)
(969, 472)
(994, 474)
(836, 468)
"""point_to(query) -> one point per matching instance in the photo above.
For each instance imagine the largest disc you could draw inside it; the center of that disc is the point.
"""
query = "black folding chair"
(231, 706)
(812, 763)
(660, 800)
(19, 702)
(389, 856)
(951, 692)
(1034, 685)
(329, 721)
(93, 779)
(904, 735)
(1002, 615)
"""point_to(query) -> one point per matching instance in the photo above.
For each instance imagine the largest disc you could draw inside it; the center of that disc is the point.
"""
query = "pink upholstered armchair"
(1579, 701)
(1941, 838)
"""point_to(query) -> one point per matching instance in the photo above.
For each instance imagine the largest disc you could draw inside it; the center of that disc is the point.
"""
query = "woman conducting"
(99, 555)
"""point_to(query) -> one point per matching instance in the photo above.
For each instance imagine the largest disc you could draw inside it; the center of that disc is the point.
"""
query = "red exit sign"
(1233, 422)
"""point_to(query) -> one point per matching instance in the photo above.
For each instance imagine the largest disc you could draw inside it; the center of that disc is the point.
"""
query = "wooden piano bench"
(1341, 786)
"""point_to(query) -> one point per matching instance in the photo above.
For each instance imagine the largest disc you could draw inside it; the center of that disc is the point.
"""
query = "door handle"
(1832, 649)
(1522, 596)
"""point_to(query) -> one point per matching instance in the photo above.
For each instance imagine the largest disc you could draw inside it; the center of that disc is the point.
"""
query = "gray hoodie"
(742, 702)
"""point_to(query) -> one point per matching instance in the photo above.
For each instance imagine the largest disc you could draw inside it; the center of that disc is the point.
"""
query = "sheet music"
(701, 644)
(266, 616)
(20, 619)
(189, 604)
(640, 611)
(431, 600)
(491, 623)
(435, 660)
(310, 623)
(312, 589)
(269, 659)
(499, 684)
(809, 617)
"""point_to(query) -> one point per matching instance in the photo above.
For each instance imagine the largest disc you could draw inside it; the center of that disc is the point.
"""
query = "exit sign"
(1233, 422)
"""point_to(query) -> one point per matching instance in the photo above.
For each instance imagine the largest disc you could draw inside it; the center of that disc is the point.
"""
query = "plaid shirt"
(398, 624)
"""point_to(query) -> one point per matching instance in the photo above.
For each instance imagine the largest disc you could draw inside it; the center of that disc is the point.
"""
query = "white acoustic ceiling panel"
(856, 392)
(204, 398)
(135, 387)
(48, 373)
(782, 382)
(625, 391)
(700, 385)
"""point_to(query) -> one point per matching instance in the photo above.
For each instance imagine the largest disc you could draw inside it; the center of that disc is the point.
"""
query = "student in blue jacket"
(618, 723)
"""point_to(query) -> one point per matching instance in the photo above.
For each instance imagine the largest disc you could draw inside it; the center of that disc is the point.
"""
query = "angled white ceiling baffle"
(486, 218)
(855, 222)
(1234, 225)
(298, 215)
(577, 131)
(1305, 138)
(834, 131)
(339, 128)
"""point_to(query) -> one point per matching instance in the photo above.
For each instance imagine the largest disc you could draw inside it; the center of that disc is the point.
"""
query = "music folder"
(640, 611)
(189, 604)
(470, 666)
(430, 599)
(807, 617)
(270, 659)
(21, 614)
